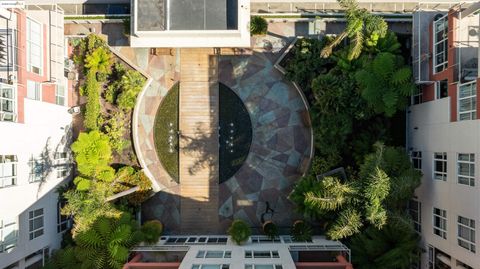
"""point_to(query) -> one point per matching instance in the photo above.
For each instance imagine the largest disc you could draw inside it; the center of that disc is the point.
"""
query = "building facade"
(444, 135)
(35, 132)
(259, 252)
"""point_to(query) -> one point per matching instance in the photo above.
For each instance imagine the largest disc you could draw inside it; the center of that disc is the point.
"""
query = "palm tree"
(395, 246)
(361, 27)
(100, 60)
(107, 243)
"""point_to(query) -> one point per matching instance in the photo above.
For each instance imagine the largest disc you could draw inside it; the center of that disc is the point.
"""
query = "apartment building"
(35, 132)
(444, 135)
(259, 252)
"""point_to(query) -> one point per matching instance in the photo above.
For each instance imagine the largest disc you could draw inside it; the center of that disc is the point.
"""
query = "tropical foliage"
(92, 153)
(258, 25)
(151, 231)
(301, 231)
(239, 231)
(385, 83)
(362, 28)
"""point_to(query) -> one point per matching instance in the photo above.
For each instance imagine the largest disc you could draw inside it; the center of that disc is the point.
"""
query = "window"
(8, 234)
(60, 95)
(417, 96)
(466, 233)
(441, 89)
(463, 265)
(210, 266)
(61, 155)
(415, 210)
(62, 170)
(440, 222)
(8, 170)
(214, 254)
(35, 223)
(440, 44)
(34, 46)
(467, 101)
(37, 169)
(466, 169)
(416, 157)
(8, 103)
(34, 91)
(264, 239)
(63, 222)
(440, 166)
(261, 254)
(430, 257)
(263, 266)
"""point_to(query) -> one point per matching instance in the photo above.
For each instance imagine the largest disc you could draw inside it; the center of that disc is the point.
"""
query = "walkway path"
(199, 140)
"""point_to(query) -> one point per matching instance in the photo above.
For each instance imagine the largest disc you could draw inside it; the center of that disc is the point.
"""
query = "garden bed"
(235, 133)
(166, 132)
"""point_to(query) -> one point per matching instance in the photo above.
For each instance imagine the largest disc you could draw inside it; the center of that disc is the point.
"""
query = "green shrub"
(127, 178)
(131, 84)
(258, 25)
(239, 231)
(301, 231)
(92, 153)
(270, 229)
(93, 108)
(152, 230)
(115, 130)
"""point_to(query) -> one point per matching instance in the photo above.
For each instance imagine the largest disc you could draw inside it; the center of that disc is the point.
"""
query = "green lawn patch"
(235, 133)
(166, 132)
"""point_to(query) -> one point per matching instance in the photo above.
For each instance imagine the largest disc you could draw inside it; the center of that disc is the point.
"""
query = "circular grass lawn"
(166, 132)
(235, 133)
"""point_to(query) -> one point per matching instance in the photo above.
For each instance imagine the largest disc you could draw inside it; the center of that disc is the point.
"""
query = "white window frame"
(437, 89)
(36, 163)
(444, 22)
(204, 266)
(467, 243)
(214, 254)
(31, 43)
(470, 114)
(34, 88)
(461, 264)
(416, 213)
(256, 266)
(8, 234)
(261, 254)
(4, 114)
(417, 96)
(63, 222)
(442, 216)
(60, 99)
(36, 230)
(8, 163)
(440, 157)
(468, 160)
(416, 159)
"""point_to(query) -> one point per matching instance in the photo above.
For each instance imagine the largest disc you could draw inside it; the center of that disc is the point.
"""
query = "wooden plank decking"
(199, 140)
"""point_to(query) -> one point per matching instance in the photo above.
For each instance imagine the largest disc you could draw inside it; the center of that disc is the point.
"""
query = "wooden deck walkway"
(199, 140)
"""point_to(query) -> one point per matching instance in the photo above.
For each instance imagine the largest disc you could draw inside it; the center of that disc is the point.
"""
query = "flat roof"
(151, 15)
(161, 15)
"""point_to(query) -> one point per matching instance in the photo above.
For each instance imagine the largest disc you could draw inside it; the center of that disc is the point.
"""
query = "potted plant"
(301, 231)
(239, 231)
(258, 25)
(270, 229)
(151, 231)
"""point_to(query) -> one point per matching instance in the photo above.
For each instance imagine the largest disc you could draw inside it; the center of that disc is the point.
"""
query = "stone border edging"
(304, 98)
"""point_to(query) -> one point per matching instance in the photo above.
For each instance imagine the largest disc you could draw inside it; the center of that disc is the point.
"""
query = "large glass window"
(8, 234)
(34, 46)
(440, 166)
(415, 210)
(60, 95)
(261, 254)
(35, 223)
(466, 233)
(37, 169)
(34, 91)
(8, 170)
(210, 266)
(467, 101)
(466, 169)
(263, 266)
(214, 254)
(440, 44)
(8, 103)
(416, 157)
(440, 222)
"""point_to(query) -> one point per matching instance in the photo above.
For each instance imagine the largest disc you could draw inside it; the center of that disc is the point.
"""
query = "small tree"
(151, 231)
(258, 25)
(301, 231)
(130, 85)
(99, 61)
(92, 153)
(239, 231)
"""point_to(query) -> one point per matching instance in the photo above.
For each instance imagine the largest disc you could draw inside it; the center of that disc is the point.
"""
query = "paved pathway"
(198, 140)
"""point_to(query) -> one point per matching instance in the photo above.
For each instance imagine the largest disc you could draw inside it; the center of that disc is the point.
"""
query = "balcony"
(467, 44)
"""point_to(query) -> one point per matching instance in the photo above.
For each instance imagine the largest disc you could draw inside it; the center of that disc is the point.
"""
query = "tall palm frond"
(348, 223)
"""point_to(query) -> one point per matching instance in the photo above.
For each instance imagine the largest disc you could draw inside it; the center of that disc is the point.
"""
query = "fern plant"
(385, 83)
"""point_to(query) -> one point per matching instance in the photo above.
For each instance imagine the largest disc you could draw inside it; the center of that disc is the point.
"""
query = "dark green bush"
(258, 25)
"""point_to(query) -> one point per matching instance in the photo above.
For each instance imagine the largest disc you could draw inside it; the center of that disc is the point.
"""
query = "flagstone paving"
(279, 154)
